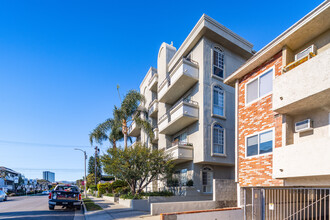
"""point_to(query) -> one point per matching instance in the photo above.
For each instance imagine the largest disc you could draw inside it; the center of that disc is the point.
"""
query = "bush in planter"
(190, 183)
(172, 182)
(110, 194)
(161, 193)
(119, 184)
(131, 196)
(103, 188)
(121, 190)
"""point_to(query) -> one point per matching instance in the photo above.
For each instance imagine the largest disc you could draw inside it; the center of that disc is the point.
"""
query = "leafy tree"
(124, 114)
(91, 179)
(91, 166)
(138, 165)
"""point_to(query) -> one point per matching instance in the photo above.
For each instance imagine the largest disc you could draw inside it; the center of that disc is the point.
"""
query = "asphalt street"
(35, 207)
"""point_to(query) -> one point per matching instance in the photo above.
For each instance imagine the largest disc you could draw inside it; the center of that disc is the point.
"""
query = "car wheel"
(5, 198)
(51, 207)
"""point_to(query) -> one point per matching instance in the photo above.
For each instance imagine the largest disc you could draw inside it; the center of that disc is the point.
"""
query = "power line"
(43, 169)
(39, 144)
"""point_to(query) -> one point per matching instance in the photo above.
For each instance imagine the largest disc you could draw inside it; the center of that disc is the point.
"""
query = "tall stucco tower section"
(165, 54)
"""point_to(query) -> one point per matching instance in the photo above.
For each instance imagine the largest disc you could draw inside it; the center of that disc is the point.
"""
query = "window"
(180, 139)
(218, 62)
(260, 86)
(218, 139)
(218, 101)
(207, 180)
(261, 143)
(181, 176)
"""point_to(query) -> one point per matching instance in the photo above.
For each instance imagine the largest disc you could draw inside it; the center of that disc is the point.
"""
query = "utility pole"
(95, 158)
(85, 181)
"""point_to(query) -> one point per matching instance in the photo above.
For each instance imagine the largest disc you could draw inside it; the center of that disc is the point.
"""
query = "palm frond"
(144, 125)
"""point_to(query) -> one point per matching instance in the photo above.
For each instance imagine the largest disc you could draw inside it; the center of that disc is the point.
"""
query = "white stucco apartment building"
(192, 111)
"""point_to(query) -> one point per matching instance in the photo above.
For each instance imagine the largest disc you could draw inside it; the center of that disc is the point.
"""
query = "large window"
(260, 143)
(259, 87)
(218, 139)
(218, 62)
(218, 101)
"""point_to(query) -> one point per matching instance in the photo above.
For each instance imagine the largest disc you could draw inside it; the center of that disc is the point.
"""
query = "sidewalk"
(116, 211)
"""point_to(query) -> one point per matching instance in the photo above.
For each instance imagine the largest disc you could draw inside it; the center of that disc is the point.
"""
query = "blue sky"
(60, 62)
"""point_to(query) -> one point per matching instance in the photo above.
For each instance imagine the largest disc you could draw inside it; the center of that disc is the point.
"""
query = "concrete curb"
(85, 210)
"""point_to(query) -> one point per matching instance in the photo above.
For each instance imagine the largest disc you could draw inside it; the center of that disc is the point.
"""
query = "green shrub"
(161, 193)
(103, 188)
(130, 196)
(93, 187)
(121, 190)
(110, 194)
(190, 183)
(172, 182)
(119, 183)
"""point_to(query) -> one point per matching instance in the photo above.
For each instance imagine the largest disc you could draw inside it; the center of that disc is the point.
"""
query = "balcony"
(304, 87)
(153, 108)
(153, 82)
(182, 114)
(180, 152)
(310, 158)
(133, 130)
(155, 140)
(181, 79)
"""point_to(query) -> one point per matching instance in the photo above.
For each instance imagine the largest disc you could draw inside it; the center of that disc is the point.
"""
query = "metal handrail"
(152, 77)
(296, 63)
(181, 143)
(168, 78)
(186, 100)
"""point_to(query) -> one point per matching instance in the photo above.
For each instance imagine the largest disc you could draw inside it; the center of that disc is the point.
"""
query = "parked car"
(45, 192)
(65, 196)
(3, 196)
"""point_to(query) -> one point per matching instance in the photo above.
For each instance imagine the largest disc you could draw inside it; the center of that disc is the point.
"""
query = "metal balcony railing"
(185, 100)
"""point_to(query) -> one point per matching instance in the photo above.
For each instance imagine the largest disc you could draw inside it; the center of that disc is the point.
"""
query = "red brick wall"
(253, 118)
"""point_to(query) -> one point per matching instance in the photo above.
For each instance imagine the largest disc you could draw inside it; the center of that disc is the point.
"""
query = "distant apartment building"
(283, 123)
(8, 179)
(49, 176)
(191, 109)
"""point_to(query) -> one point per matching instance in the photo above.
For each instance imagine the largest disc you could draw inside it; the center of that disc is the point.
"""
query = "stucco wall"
(158, 208)
(307, 86)
(225, 214)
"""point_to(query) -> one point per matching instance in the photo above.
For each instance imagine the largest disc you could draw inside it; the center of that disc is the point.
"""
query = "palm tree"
(124, 114)
(99, 134)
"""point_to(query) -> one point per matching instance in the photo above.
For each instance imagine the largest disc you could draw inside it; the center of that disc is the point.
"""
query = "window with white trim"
(218, 139)
(260, 86)
(218, 101)
(218, 56)
(260, 143)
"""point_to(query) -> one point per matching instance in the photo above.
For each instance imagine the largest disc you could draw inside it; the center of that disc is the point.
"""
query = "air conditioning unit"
(304, 125)
(305, 52)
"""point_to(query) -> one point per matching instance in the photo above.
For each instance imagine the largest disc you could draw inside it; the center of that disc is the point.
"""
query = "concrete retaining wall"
(110, 198)
(159, 208)
(136, 204)
(145, 204)
(226, 213)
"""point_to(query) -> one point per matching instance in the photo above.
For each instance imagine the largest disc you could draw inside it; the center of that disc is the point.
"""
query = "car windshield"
(67, 188)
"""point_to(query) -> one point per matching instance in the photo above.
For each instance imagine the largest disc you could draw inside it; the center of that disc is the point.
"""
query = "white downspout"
(236, 145)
